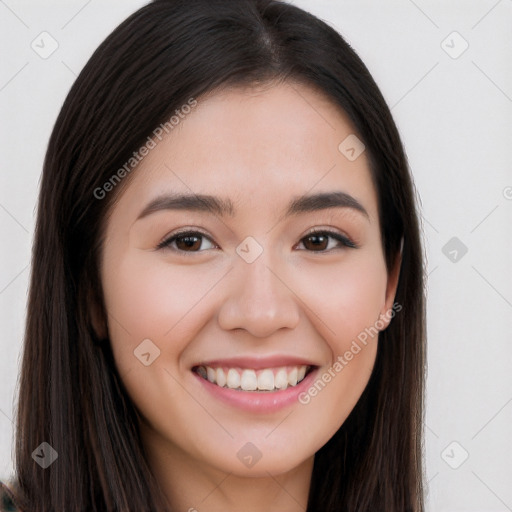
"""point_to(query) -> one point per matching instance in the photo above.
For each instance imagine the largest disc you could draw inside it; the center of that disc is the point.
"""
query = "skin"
(260, 148)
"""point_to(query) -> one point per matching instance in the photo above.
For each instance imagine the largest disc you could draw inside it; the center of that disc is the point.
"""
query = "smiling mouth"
(244, 379)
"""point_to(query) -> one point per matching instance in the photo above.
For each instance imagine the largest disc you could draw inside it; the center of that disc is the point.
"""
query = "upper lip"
(256, 363)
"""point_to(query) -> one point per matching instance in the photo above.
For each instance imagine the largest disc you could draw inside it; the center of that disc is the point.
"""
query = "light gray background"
(455, 117)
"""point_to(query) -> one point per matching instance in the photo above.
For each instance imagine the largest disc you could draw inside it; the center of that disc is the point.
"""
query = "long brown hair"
(70, 394)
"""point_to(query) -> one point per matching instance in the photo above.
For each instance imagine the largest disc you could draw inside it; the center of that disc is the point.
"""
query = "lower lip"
(259, 401)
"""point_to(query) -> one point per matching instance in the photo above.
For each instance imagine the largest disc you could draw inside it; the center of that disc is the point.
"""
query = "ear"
(96, 315)
(391, 286)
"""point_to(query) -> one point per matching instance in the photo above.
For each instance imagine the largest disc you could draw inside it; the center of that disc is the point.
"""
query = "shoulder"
(7, 502)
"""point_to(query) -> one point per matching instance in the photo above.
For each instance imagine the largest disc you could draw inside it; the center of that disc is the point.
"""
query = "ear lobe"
(391, 287)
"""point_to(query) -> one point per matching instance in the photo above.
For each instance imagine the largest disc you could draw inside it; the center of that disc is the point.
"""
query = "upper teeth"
(268, 379)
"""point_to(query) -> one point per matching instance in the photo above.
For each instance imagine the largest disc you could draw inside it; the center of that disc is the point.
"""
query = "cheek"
(347, 303)
(347, 298)
(148, 298)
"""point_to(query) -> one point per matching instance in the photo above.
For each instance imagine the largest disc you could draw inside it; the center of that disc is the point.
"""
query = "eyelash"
(344, 240)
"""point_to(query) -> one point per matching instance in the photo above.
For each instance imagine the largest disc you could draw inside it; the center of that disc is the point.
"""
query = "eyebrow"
(224, 207)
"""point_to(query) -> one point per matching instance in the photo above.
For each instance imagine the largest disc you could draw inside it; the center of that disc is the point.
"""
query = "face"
(233, 320)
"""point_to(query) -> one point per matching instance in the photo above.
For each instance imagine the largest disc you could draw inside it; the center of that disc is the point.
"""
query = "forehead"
(257, 146)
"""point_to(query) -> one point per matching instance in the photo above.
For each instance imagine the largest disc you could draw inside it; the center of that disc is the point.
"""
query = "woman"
(282, 365)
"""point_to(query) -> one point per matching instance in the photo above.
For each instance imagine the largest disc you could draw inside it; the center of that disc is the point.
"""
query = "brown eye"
(188, 241)
(185, 243)
(318, 241)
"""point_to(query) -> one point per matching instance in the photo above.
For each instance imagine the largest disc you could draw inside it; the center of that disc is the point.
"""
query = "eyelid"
(340, 237)
(163, 244)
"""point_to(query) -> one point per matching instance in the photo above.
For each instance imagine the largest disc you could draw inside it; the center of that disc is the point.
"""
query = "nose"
(260, 300)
